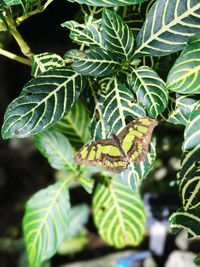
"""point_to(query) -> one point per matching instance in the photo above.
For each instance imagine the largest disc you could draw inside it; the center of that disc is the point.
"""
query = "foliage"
(110, 78)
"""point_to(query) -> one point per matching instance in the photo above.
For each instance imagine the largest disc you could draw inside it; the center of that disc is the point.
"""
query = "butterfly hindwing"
(104, 153)
(135, 138)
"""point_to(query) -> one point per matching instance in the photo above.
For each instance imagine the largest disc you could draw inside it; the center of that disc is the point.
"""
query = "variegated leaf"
(118, 37)
(184, 76)
(118, 213)
(166, 34)
(43, 101)
(110, 3)
(90, 35)
(96, 62)
(192, 131)
(44, 62)
(150, 90)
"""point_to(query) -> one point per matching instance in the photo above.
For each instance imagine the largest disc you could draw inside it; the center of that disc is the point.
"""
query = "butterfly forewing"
(135, 138)
(104, 153)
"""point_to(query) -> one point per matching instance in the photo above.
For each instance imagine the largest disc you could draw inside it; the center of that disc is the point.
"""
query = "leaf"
(44, 62)
(192, 131)
(96, 62)
(136, 173)
(56, 148)
(180, 108)
(150, 90)
(87, 183)
(118, 37)
(107, 3)
(118, 213)
(166, 34)
(75, 125)
(186, 220)
(90, 35)
(43, 101)
(184, 76)
(46, 222)
(119, 104)
(197, 260)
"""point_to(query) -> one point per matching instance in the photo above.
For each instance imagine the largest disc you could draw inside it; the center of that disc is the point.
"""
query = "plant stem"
(20, 41)
(15, 57)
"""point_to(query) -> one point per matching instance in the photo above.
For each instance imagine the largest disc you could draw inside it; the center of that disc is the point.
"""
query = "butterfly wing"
(135, 138)
(104, 153)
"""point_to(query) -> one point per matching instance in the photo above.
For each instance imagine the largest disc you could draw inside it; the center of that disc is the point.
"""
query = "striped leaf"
(56, 148)
(119, 103)
(90, 35)
(46, 222)
(180, 108)
(43, 101)
(44, 62)
(75, 125)
(190, 179)
(87, 183)
(192, 131)
(166, 34)
(118, 37)
(118, 213)
(150, 90)
(136, 173)
(106, 3)
(186, 220)
(184, 76)
(96, 62)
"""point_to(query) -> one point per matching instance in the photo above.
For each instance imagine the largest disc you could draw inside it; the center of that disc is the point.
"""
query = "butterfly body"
(116, 153)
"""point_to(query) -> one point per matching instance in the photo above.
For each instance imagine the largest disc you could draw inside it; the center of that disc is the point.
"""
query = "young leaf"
(46, 222)
(43, 101)
(96, 62)
(118, 37)
(150, 90)
(184, 76)
(180, 108)
(166, 34)
(44, 62)
(89, 35)
(192, 131)
(75, 125)
(107, 3)
(118, 213)
(56, 148)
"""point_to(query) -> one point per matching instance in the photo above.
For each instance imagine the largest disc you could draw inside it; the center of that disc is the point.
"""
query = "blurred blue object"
(131, 260)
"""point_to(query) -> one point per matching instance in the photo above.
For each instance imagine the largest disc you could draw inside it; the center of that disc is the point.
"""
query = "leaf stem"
(15, 57)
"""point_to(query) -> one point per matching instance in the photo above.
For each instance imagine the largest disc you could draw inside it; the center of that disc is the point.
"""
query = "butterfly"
(116, 153)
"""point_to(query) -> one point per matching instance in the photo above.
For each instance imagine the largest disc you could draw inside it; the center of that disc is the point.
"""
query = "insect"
(116, 153)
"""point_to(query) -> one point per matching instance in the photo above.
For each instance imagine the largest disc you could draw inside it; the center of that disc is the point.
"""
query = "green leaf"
(118, 213)
(46, 222)
(192, 131)
(186, 220)
(197, 260)
(119, 104)
(150, 90)
(90, 35)
(56, 148)
(118, 37)
(180, 108)
(87, 183)
(75, 125)
(43, 101)
(107, 3)
(184, 76)
(44, 62)
(136, 173)
(96, 62)
(166, 34)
